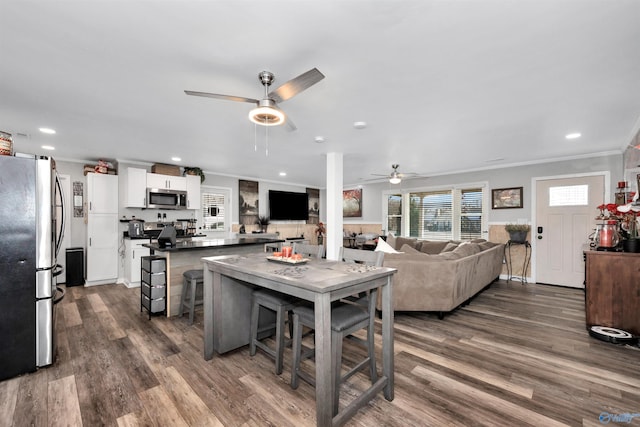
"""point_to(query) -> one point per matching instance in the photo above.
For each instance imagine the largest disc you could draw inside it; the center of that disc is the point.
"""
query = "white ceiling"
(444, 86)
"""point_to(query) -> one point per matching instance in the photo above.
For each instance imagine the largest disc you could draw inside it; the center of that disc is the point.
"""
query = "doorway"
(565, 208)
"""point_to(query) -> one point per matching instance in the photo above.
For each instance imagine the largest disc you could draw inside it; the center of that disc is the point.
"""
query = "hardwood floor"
(517, 355)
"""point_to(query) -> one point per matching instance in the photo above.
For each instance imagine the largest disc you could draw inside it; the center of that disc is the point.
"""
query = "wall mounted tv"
(286, 205)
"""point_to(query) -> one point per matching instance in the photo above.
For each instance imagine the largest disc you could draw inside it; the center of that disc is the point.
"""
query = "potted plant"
(517, 232)
(194, 171)
(263, 222)
(320, 230)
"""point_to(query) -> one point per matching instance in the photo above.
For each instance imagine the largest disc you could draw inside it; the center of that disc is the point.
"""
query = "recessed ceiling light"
(48, 147)
(359, 125)
(283, 174)
(48, 131)
(319, 139)
(176, 159)
(575, 135)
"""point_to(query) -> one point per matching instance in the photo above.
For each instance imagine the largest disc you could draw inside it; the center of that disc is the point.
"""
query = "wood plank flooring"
(516, 355)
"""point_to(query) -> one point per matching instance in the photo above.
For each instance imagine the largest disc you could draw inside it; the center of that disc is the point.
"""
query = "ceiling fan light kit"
(394, 178)
(266, 115)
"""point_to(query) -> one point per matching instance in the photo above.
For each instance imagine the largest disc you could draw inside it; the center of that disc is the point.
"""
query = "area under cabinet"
(613, 290)
(133, 253)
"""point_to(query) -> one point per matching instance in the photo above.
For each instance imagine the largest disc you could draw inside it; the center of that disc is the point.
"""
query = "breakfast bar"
(230, 280)
(187, 255)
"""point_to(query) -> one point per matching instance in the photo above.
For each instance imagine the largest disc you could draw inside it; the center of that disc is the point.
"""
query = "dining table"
(229, 281)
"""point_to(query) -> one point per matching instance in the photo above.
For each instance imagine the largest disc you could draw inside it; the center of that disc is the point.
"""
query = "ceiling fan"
(267, 112)
(395, 177)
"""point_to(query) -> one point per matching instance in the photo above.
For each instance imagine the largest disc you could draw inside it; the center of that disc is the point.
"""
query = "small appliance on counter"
(167, 237)
(136, 228)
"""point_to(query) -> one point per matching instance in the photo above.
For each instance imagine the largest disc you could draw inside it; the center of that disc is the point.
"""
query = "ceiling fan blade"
(296, 85)
(290, 125)
(218, 96)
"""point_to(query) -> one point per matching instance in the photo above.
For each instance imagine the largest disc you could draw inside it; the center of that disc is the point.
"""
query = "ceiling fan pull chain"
(255, 137)
(266, 140)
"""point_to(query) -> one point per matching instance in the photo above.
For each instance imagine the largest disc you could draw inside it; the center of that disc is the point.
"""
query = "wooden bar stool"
(345, 320)
(281, 304)
(192, 279)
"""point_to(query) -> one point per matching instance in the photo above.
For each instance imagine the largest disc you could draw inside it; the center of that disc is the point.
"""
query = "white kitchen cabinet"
(167, 182)
(193, 191)
(136, 188)
(133, 253)
(102, 249)
(102, 193)
(102, 229)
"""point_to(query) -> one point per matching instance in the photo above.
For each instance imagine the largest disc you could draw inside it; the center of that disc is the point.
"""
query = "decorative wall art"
(352, 203)
(248, 202)
(314, 205)
(78, 206)
(506, 198)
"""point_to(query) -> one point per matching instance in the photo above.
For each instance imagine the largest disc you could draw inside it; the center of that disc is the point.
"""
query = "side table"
(527, 259)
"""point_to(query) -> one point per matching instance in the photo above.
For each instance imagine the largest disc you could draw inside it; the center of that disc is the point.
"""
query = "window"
(394, 214)
(445, 214)
(569, 195)
(213, 211)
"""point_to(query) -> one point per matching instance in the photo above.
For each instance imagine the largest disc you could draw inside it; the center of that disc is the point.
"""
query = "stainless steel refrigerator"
(29, 244)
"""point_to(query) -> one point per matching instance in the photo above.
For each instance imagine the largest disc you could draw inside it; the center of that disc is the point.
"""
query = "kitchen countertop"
(212, 244)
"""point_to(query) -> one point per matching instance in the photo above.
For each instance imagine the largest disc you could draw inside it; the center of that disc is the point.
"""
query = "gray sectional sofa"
(440, 276)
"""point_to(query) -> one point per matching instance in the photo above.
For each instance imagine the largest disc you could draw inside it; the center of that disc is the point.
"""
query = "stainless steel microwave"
(160, 198)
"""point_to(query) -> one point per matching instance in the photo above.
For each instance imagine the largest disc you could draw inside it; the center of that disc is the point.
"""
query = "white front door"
(565, 216)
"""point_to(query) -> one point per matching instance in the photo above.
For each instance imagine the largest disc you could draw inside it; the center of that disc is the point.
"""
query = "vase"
(631, 245)
(518, 236)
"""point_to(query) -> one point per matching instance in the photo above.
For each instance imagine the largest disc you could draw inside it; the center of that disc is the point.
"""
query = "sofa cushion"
(411, 241)
(447, 256)
(383, 246)
(432, 247)
(467, 249)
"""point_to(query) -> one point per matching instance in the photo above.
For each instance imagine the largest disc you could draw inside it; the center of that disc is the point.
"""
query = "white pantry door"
(565, 216)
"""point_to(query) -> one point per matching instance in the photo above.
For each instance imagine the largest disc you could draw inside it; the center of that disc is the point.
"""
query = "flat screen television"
(287, 205)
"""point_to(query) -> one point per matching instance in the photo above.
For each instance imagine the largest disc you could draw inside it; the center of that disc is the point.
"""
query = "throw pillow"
(391, 240)
(409, 249)
(449, 247)
(385, 247)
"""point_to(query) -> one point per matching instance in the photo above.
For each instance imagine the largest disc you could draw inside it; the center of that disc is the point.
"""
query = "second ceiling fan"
(267, 112)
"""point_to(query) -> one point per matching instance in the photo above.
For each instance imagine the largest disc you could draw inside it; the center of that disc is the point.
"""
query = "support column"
(334, 223)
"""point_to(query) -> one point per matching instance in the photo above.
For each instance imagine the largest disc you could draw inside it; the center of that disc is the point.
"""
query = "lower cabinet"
(612, 290)
(133, 253)
(102, 249)
(153, 287)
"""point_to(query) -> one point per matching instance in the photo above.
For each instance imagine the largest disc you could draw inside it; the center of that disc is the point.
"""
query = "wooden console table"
(613, 290)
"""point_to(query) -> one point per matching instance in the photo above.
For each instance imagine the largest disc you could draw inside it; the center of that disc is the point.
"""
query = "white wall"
(519, 176)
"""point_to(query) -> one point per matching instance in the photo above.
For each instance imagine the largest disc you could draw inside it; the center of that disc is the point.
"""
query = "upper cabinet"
(167, 182)
(136, 188)
(102, 193)
(193, 191)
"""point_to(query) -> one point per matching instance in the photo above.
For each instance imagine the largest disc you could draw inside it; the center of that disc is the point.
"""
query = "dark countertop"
(125, 234)
(213, 244)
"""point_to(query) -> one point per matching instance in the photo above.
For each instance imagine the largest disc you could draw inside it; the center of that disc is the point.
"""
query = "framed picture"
(314, 205)
(248, 201)
(352, 203)
(506, 198)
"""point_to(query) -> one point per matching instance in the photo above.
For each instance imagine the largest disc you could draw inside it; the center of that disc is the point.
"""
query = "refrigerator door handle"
(62, 209)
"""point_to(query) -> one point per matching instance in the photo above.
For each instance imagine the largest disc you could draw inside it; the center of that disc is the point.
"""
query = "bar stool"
(192, 279)
(345, 320)
(282, 305)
